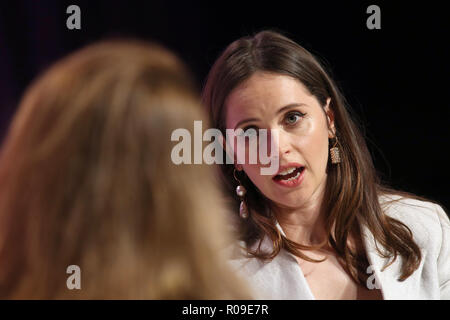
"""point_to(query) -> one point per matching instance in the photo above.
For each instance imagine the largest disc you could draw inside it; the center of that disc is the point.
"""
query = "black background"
(394, 78)
(278, 309)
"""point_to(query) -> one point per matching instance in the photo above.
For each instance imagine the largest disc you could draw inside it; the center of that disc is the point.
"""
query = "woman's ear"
(330, 119)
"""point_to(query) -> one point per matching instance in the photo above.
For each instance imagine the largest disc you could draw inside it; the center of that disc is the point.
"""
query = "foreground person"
(87, 183)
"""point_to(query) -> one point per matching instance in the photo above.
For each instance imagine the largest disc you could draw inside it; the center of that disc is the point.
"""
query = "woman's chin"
(292, 201)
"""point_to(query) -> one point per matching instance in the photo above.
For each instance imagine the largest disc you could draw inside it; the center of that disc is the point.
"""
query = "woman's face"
(274, 101)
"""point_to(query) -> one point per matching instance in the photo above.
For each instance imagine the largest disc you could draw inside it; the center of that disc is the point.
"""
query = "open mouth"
(289, 174)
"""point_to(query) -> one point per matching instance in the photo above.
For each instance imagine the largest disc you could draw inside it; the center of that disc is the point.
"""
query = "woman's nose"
(284, 143)
(276, 144)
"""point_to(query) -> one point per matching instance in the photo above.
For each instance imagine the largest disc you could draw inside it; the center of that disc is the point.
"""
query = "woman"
(87, 184)
(323, 226)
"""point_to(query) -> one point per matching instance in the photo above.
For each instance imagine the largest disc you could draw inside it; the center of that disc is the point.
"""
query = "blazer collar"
(386, 280)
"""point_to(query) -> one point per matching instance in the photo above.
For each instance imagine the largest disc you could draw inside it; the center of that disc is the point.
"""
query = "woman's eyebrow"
(244, 121)
(291, 105)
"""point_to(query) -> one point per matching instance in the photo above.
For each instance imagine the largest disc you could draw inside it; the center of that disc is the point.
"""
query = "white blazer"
(282, 278)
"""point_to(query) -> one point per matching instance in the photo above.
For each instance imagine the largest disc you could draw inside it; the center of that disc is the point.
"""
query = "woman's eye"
(251, 131)
(293, 118)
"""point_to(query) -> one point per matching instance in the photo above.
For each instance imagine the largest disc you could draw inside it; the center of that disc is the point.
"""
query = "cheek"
(253, 172)
(262, 182)
(249, 151)
(315, 150)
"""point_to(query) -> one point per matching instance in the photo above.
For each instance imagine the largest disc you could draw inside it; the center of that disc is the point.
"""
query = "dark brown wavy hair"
(86, 179)
(353, 187)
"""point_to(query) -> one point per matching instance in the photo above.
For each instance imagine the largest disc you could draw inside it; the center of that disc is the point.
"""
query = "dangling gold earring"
(334, 153)
(240, 191)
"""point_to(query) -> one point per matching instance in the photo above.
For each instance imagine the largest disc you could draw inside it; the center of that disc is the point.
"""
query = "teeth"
(287, 171)
(294, 177)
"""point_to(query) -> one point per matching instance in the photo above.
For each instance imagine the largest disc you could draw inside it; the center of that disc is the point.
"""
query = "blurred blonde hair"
(86, 179)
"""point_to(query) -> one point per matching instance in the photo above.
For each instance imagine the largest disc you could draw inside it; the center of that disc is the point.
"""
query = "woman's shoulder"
(427, 220)
(235, 250)
(411, 208)
(240, 261)
(239, 257)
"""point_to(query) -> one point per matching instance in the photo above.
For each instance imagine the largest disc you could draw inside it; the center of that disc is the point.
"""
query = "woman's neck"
(304, 225)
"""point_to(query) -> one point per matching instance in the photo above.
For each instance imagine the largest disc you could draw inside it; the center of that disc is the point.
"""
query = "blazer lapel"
(387, 280)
